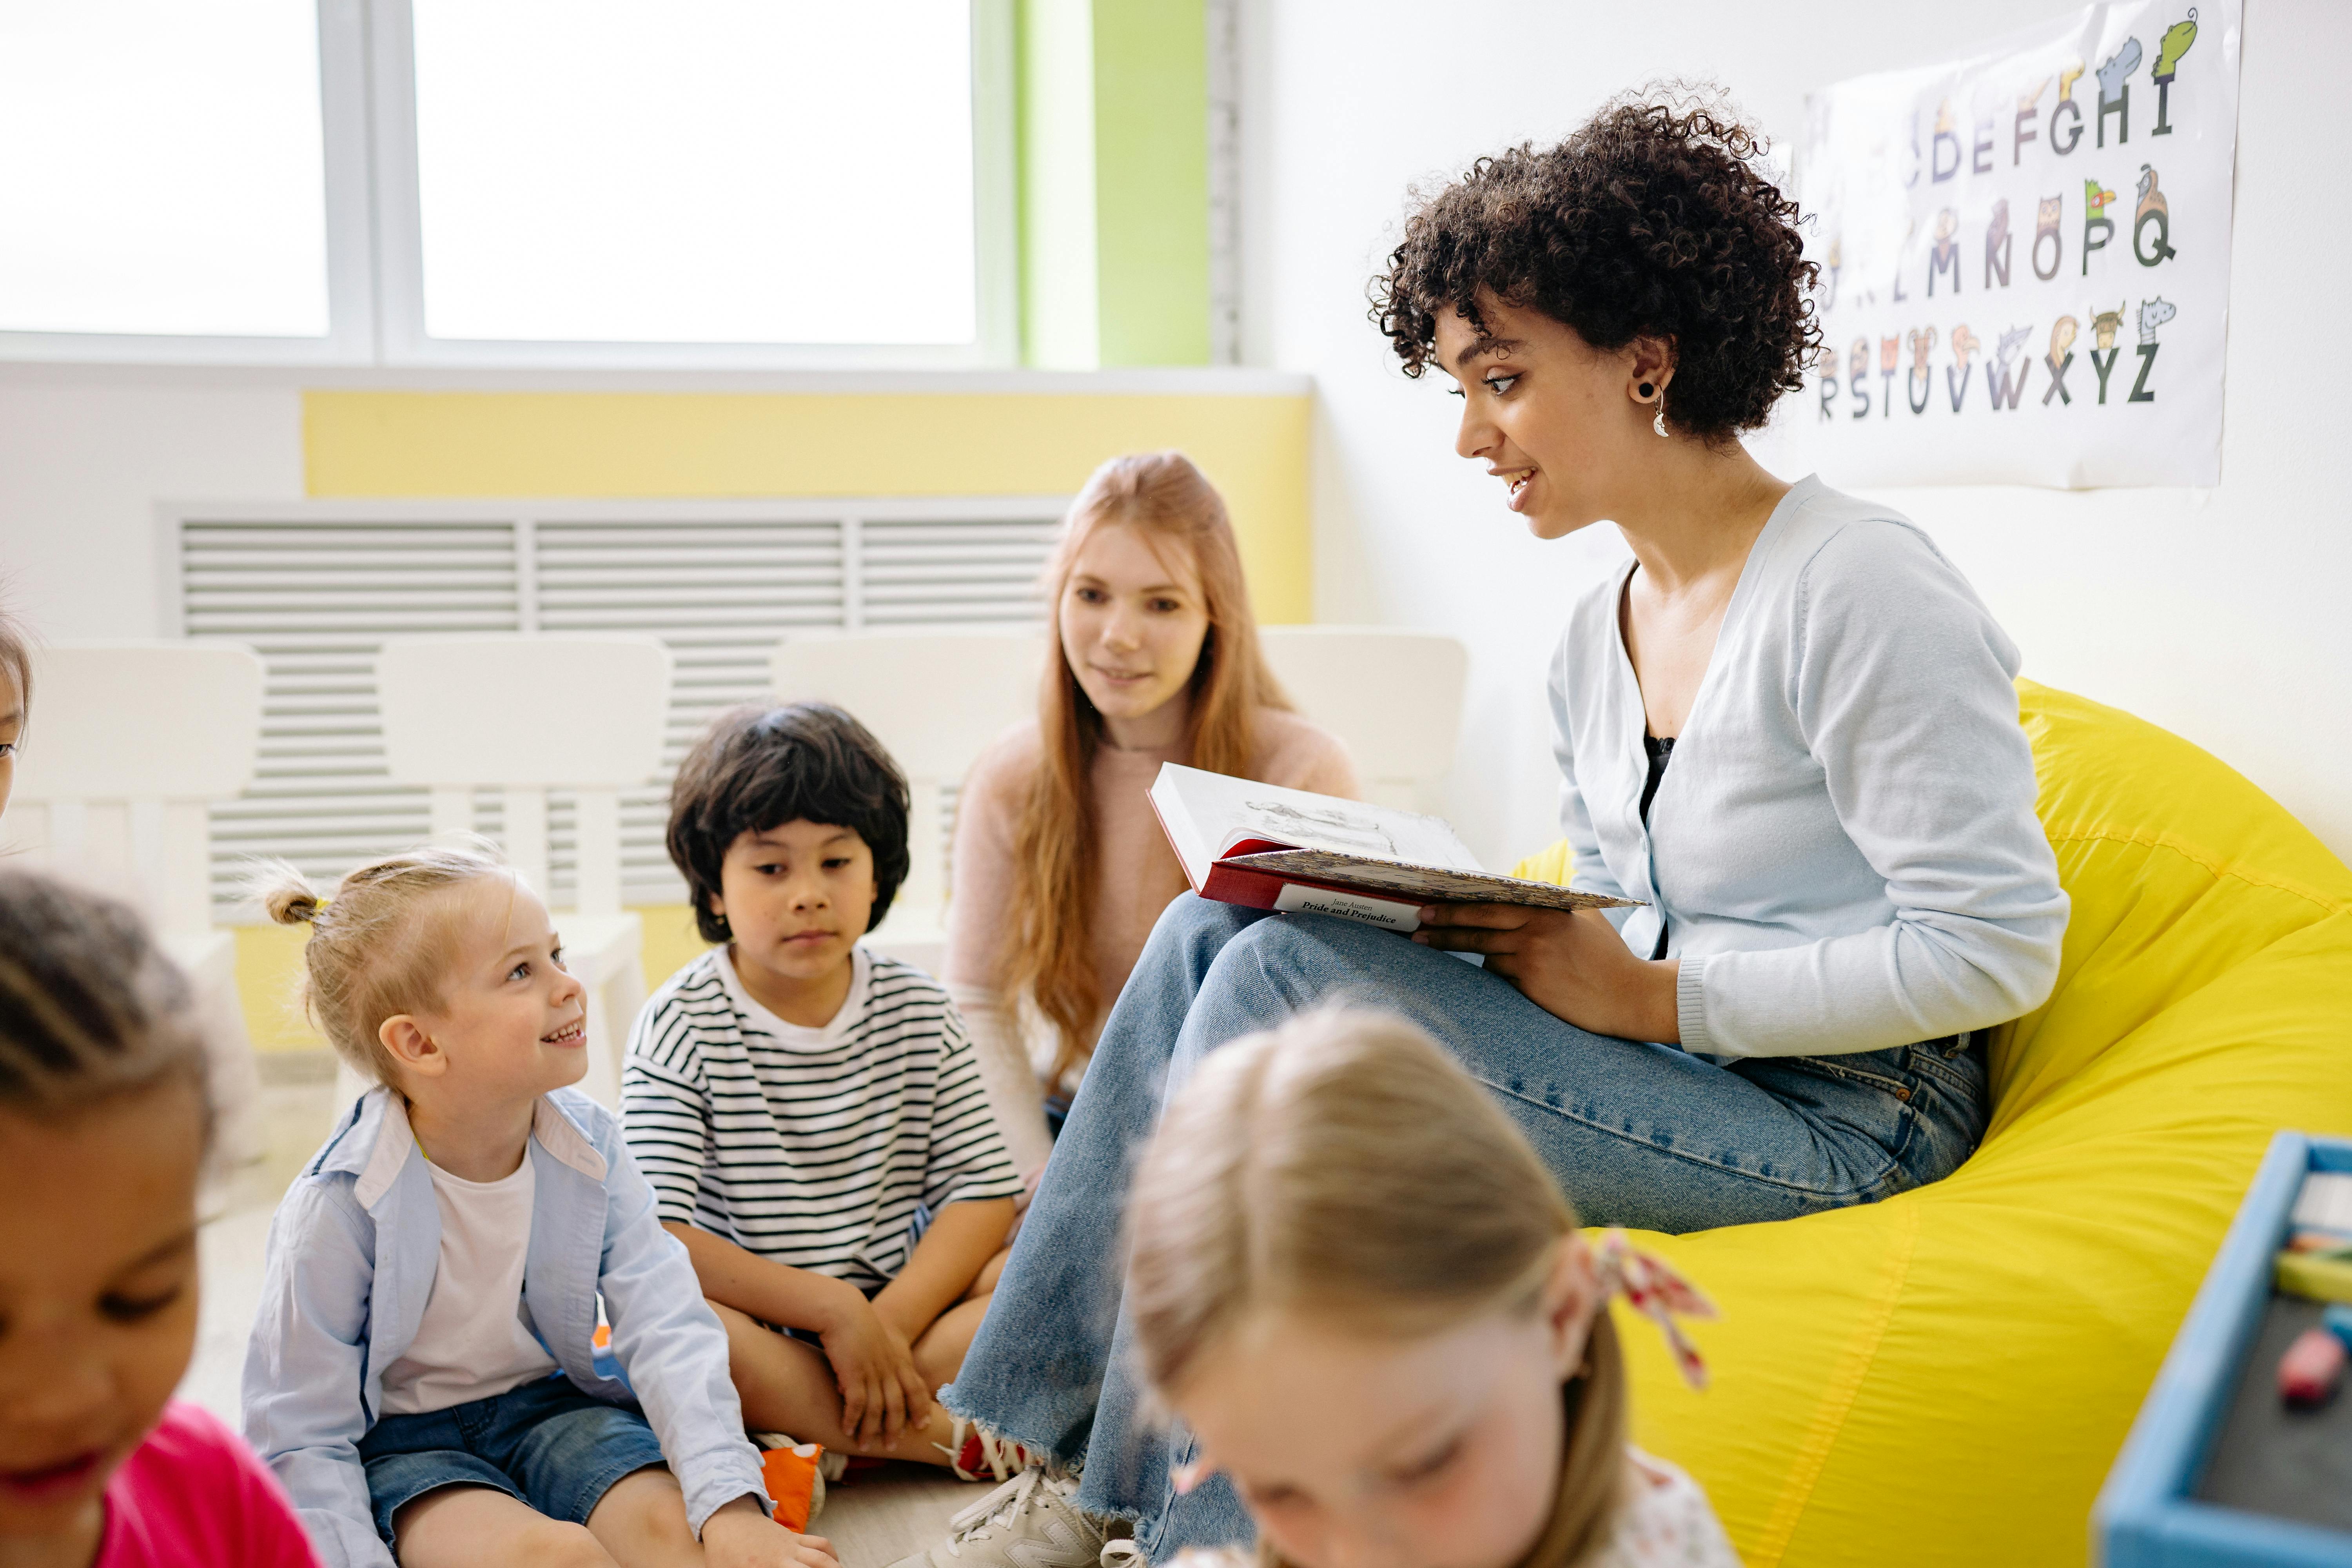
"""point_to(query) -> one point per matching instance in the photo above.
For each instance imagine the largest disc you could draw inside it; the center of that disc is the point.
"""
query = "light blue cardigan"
(353, 1253)
(1843, 846)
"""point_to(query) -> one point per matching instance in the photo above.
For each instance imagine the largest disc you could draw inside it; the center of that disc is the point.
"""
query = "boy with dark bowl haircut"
(810, 1113)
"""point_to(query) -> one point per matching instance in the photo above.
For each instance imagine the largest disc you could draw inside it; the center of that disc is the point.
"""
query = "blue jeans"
(1640, 1135)
(543, 1443)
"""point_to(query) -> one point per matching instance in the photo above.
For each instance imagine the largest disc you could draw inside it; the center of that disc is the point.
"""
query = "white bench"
(125, 749)
(526, 714)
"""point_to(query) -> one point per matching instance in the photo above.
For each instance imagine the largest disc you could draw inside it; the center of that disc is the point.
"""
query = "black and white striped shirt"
(815, 1148)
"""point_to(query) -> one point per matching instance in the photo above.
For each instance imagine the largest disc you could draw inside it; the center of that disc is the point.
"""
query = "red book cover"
(1267, 847)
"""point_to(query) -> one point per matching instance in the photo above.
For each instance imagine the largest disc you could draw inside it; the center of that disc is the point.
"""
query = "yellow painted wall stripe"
(477, 444)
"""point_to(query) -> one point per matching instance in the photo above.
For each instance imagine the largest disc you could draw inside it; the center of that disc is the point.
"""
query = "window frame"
(376, 297)
(344, 140)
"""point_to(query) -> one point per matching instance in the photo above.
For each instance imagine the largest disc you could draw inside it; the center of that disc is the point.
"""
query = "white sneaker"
(1030, 1522)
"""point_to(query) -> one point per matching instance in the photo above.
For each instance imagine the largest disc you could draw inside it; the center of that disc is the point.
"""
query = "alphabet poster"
(2025, 257)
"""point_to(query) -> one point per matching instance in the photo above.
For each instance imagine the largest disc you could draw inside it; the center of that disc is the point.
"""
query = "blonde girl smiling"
(422, 1374)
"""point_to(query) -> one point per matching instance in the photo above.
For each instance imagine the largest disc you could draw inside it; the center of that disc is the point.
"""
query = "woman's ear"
(1650, 361)
(1567, 1302)
(411, 1047)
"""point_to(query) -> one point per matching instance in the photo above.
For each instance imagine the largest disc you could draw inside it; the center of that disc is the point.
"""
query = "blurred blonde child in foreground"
(1368, 1301)
(422, 1374)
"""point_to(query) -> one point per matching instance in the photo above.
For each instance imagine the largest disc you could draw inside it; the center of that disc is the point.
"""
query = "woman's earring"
(1648, 387)
(1659, 424)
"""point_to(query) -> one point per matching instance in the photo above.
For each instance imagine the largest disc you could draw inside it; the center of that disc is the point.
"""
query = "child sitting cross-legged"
(810, 1112)
(1364, 1295)
(423, 1374)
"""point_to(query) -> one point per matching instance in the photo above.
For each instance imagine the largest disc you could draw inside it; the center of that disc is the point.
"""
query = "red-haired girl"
(1060, 870)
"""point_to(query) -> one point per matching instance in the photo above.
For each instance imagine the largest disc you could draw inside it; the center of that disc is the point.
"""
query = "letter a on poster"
(2025, 257)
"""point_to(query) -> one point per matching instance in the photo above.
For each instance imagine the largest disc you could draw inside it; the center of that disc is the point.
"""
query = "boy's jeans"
(1640, 1135)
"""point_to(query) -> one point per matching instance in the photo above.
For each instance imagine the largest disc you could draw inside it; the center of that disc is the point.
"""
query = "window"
(162, 166)
(519, 182)
(587, 168)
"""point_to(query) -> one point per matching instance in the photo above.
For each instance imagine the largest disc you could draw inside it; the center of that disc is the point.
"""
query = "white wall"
(84, 455)
(2224, 615)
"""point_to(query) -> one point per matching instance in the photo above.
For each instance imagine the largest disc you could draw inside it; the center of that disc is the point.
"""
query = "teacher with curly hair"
(1786, 726)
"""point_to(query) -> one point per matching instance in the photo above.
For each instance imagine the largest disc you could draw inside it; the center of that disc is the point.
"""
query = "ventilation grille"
(316, 592)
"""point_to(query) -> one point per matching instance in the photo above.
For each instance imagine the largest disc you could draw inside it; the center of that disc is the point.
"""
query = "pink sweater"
(1138, 874)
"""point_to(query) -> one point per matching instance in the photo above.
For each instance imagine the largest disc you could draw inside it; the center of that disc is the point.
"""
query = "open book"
(1275, 849)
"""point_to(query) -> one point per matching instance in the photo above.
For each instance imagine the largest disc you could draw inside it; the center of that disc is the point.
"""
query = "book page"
(1226, 812)
(1183, 831)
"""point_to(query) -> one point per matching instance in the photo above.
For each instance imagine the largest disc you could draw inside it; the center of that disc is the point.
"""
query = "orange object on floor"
(793, 1482)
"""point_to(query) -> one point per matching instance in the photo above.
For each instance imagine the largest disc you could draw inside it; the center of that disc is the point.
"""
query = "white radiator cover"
(316, 586)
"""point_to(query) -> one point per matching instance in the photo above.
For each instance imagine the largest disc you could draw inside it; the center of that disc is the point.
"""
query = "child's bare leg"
(989, 1271)
(939, 1355)
(641, 1521)
(787, 1386)
(463, 1526)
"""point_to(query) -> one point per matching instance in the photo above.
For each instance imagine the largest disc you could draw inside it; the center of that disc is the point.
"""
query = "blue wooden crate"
(2148, 1515)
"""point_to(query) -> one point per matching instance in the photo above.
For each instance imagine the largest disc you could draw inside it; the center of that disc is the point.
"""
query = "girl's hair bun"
(286, 894)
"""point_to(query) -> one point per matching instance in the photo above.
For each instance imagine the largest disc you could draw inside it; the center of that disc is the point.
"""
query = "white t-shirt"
(475, 1339)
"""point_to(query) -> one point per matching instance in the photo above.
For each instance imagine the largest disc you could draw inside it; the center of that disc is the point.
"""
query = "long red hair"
(1055, 852)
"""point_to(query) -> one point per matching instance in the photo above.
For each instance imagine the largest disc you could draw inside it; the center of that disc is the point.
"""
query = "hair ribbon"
(1651, 1286)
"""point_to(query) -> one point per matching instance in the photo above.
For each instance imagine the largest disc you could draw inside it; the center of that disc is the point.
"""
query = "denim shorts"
(543, 1443)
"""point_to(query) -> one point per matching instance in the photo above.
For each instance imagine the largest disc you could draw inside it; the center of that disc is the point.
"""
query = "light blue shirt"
(1843, 847)
(353, 1251)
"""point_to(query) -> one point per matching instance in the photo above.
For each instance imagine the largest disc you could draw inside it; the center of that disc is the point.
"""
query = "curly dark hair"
(1653, 220)
(757, 768)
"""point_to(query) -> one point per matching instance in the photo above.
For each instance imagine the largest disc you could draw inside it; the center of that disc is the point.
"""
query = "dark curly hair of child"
(757, 768)
(90, 1008)
(1653, 220)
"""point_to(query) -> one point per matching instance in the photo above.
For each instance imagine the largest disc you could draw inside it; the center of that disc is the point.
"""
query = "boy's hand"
(882, 1392)
(739, 1535)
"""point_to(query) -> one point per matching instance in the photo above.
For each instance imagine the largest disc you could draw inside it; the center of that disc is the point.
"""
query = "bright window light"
(160, 168)
(696, 171)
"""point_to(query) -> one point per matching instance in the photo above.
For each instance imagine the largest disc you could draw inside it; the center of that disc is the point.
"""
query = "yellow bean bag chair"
(1945, 1377)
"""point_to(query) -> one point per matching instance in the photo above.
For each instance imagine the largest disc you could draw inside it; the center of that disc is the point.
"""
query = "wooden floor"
(877, 1516)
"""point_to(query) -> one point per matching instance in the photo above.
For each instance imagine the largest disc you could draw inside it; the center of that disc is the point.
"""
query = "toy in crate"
(2243, 1453)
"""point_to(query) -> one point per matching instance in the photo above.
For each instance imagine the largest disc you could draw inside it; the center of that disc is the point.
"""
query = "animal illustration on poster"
(2128, 112)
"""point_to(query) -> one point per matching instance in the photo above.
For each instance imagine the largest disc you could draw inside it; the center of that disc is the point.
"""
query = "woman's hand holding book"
(1572, 964)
